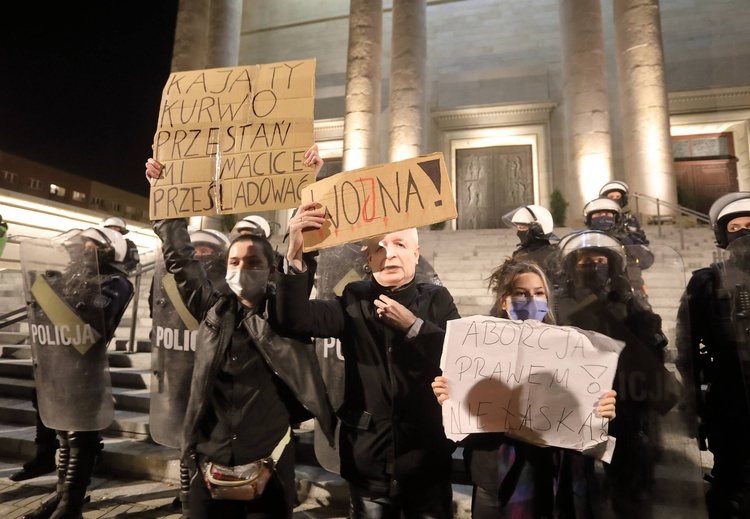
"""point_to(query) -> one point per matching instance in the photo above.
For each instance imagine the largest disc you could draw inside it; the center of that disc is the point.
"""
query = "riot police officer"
(604, 214)
(534, 227)
(174, 337)
(617, 190)
(78, 292)
(253, 224)
(714, 351)
(595, 294)
(132, 257)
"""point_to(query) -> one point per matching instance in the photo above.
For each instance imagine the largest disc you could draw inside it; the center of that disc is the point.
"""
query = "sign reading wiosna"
(380, 199)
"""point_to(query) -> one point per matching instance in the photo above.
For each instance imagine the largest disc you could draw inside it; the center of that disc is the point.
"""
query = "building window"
(703, 147)
(10, 177)
(98, 202)
(116, 207)
(35, 184)
(78, 196)
(56, 190)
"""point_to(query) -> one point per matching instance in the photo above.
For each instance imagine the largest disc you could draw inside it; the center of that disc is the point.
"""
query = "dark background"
(80, 84)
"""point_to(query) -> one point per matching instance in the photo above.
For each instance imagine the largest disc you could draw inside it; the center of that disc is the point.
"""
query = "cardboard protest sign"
(380, 199)
(233, 140)
(537, 382)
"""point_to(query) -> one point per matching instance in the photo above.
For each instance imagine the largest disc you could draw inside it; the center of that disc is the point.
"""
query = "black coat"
(391, 422)
(293, 361)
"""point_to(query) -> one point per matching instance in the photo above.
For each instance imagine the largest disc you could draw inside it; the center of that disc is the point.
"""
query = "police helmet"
(112, 246)
(575, 243)
(115, 221)
(601, 204)
(536, 217)
(616, 185)
(253, 224)
(726, 208)
(214, 239)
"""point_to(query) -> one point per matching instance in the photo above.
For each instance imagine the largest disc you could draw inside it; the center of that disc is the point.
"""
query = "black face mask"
(592, 277)
(731, 236)
(214, 265)
(522, 236)
(739, 248)
(603, 223)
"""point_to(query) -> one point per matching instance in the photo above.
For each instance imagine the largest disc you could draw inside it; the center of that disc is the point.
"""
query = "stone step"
(126, 424)
(117, 358)
(453, 276)
(14, 337)
(133, 378)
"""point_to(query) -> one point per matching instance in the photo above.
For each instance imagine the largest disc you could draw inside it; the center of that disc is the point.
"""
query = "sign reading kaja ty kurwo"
(380, 199)
(536, 382)
(233, 140)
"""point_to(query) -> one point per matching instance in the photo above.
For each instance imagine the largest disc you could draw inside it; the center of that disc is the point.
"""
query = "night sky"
(80, 84)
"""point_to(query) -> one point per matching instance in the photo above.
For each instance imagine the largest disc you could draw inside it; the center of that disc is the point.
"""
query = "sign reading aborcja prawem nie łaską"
(380, 199)
(537, 382)
(233, 140)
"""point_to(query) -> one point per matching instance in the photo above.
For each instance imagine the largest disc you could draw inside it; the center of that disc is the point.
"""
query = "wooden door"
(490, 182)
(701, 182)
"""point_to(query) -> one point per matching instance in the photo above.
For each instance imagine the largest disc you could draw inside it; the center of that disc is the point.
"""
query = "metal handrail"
(700, 217)
(11, 314)
(139, 271)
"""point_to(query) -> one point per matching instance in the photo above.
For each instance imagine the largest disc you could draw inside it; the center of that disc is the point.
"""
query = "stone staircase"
(463, 259)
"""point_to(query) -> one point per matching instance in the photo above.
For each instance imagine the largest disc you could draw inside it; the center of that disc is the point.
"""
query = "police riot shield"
(337, 267)
(656, 464)
(172, 355)
(66, 312)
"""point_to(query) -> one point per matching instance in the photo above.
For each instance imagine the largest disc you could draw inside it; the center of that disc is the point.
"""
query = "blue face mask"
(522, 308)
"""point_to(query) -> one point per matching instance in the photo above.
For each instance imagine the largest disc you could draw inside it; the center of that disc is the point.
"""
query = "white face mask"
(247, 284)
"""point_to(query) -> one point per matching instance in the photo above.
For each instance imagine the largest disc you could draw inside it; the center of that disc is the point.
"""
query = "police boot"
(49, 503)
(184, 488)
(46, 445)
(84, 453)
(42, 463)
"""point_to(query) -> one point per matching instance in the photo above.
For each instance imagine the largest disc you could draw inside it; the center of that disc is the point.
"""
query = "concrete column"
(191, 35)
(643, 101)
(225, 22)
(586, 101)
(408, 65)
(363, 78)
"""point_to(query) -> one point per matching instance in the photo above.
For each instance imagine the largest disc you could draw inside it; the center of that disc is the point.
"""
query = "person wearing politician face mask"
(512, 478)
(249, 383)
(392, 446)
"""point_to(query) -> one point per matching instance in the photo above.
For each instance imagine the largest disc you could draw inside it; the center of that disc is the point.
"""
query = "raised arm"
(196, 289)
(295, 312)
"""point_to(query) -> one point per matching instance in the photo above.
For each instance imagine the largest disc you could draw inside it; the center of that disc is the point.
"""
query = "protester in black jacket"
(392, 446)
(249, 383)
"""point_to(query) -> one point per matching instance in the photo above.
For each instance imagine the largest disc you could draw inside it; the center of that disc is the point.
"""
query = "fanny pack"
(243, 482)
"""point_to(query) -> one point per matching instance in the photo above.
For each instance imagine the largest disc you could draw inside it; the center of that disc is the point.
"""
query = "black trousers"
(276, 502)
(416, 501)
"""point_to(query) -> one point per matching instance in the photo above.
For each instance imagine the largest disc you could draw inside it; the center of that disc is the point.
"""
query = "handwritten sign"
(537, 382)
(380, 199)
(233, 140)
